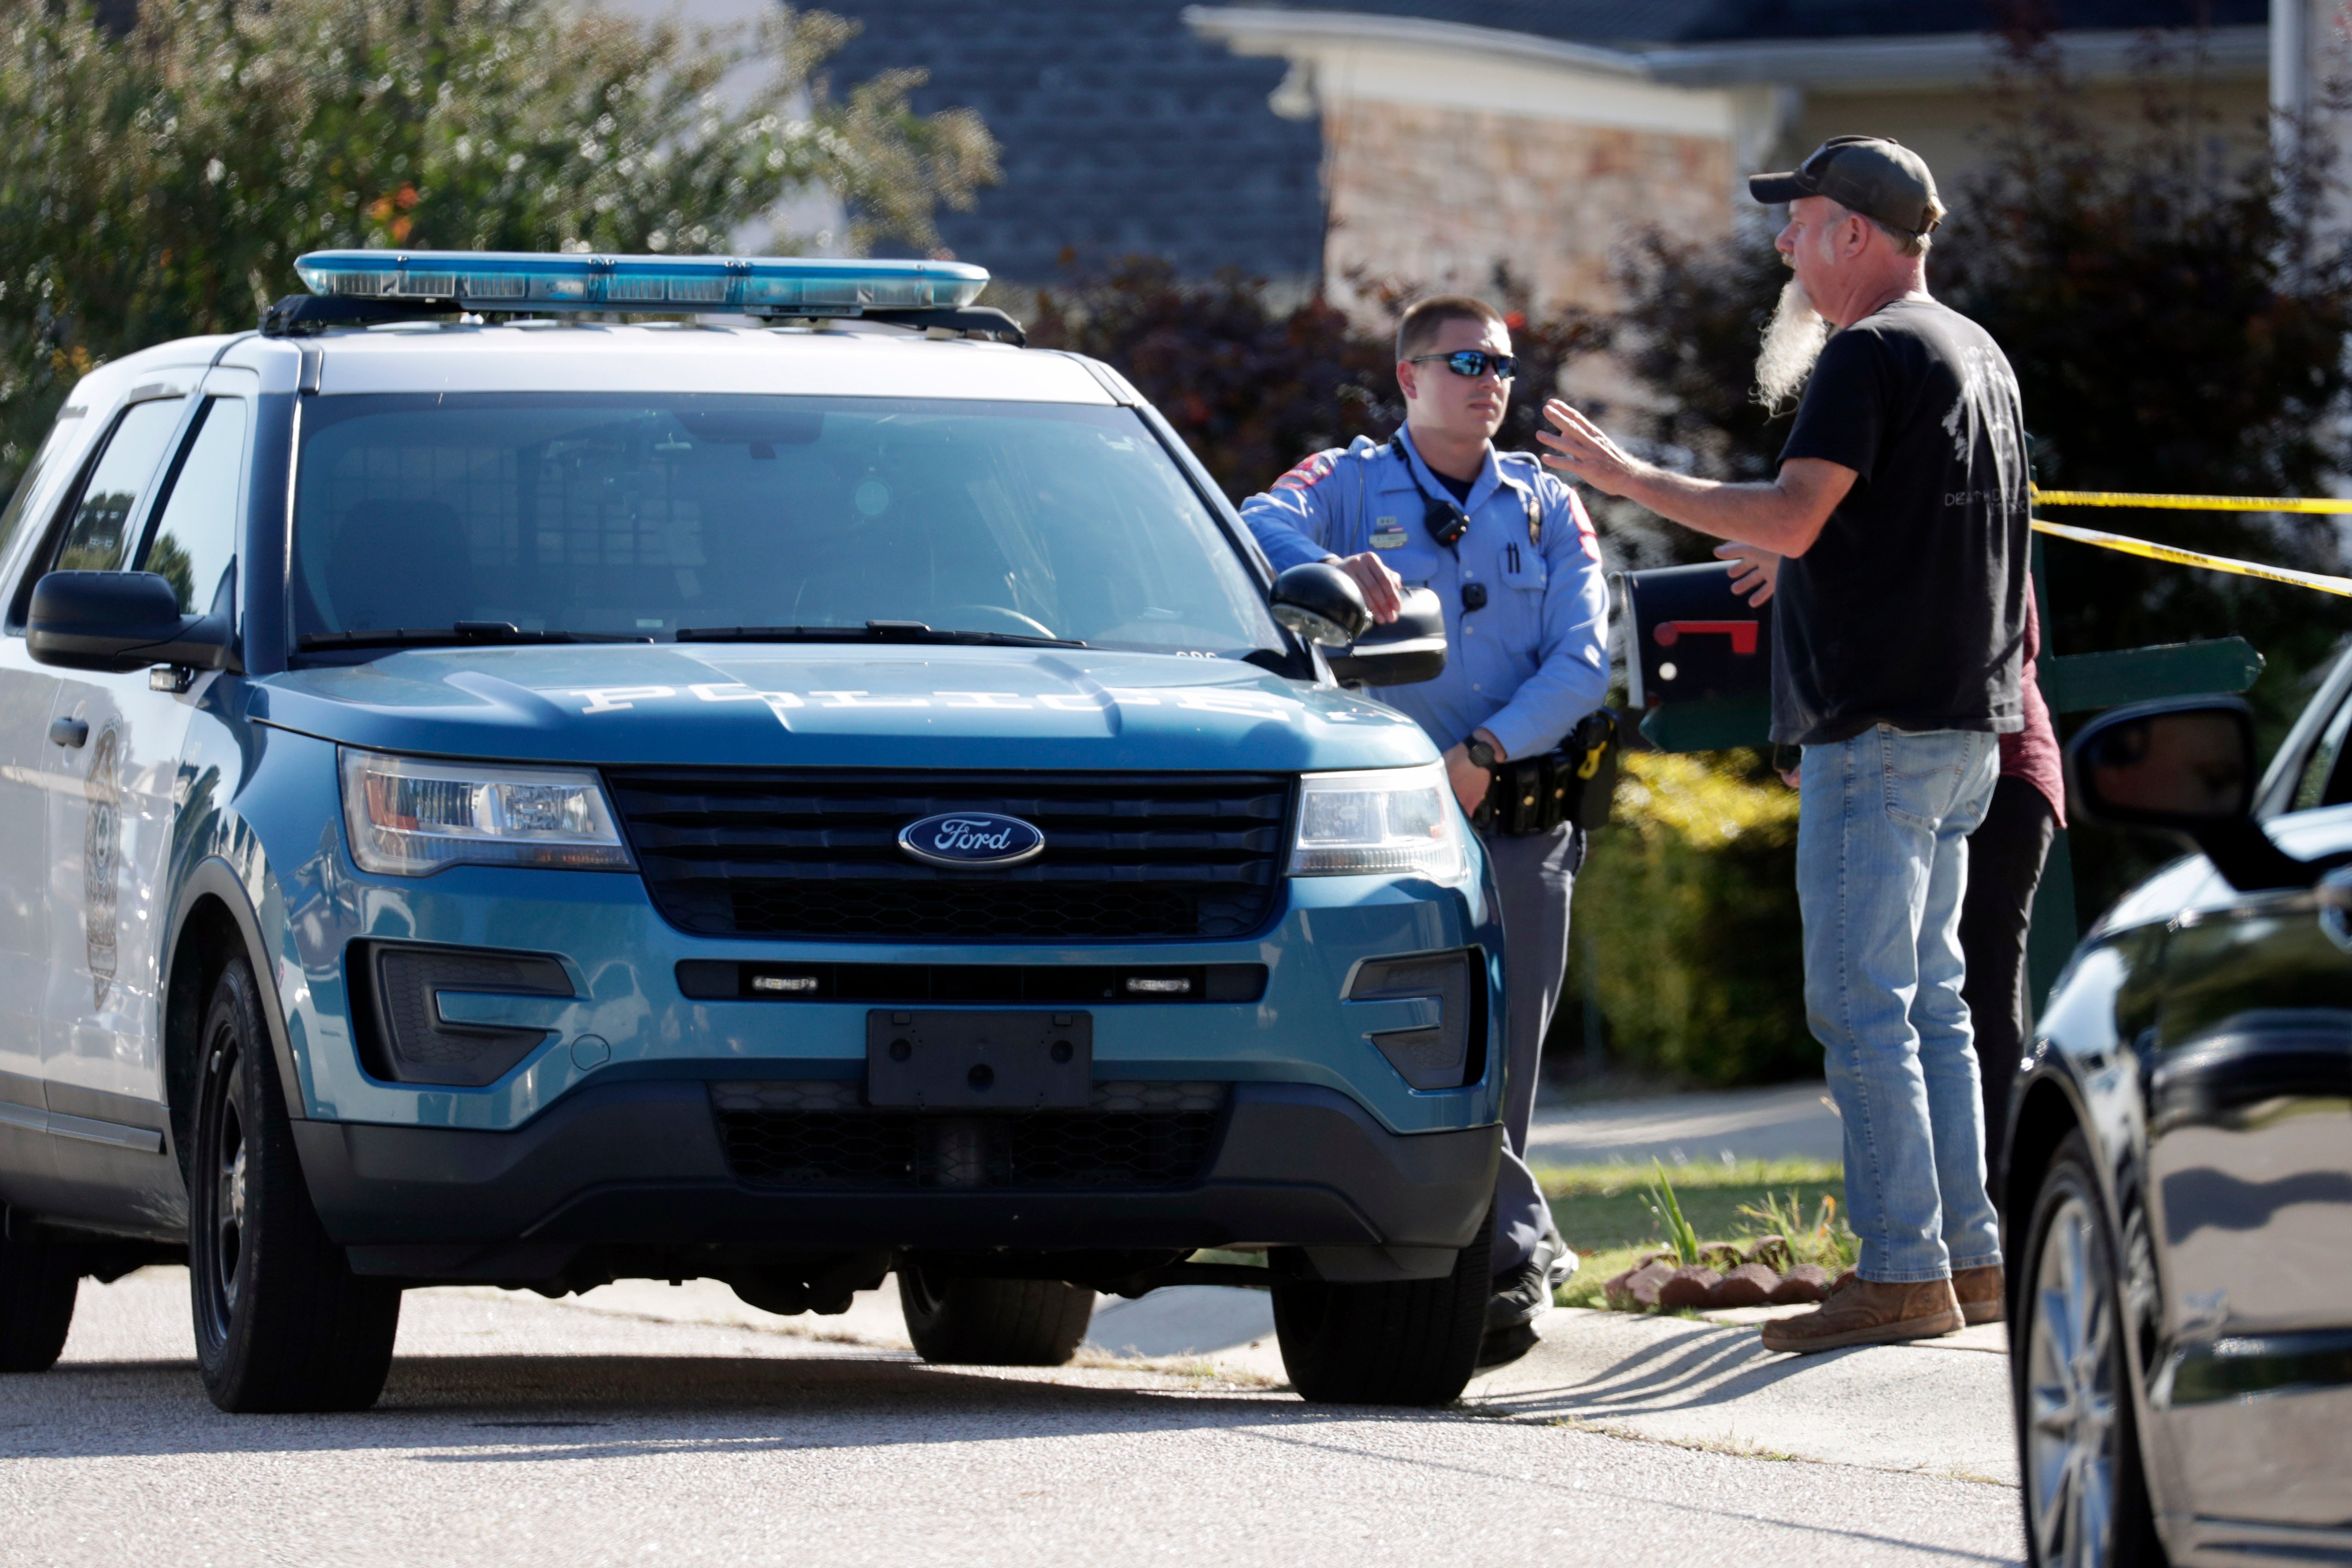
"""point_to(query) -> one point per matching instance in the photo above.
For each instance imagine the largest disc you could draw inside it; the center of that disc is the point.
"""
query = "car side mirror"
(1408, 649)
(1321, 603)
(2183, 766)
(120, 621)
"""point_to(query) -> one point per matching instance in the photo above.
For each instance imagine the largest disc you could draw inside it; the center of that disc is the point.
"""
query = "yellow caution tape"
(2323, 584)
(2189, 503)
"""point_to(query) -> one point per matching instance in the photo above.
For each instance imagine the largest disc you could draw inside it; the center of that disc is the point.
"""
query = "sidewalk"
(1784, 1121)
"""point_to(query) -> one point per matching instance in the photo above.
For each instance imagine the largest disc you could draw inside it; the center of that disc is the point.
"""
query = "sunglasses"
(1473, 363)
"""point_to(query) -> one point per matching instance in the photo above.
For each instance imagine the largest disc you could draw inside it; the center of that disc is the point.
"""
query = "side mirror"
(1408, 649)
(1321, 603)
(120, 621)
(2183, 766)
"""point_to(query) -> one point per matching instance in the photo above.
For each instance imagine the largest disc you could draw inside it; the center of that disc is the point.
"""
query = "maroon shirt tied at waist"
(2032, 753)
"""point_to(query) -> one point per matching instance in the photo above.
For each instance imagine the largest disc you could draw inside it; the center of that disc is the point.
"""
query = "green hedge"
(1685, 928)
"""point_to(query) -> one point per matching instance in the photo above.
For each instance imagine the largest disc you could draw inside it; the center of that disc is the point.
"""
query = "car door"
(27, 693)
(2248, 1097)
(112, 791)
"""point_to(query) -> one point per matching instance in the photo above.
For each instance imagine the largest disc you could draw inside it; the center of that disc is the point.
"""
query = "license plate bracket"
(938, 1059)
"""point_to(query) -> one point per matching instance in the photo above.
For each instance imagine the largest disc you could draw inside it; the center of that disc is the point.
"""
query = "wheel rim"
(228, 1168)
(2070, 1394)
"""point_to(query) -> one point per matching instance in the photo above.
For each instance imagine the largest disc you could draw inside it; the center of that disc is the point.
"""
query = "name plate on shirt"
(1387, 533)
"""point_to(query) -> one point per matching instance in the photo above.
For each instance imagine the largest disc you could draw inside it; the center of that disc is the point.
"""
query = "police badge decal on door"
(100, 841)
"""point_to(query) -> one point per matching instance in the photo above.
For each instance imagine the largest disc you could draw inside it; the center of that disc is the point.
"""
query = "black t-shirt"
(1909, 609)
(1459, 488)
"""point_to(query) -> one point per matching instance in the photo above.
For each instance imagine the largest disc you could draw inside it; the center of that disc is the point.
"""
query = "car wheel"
(2086, 1502)
(38, 1284)
(1411, 1342)
(282, 1323)
(964, 1321)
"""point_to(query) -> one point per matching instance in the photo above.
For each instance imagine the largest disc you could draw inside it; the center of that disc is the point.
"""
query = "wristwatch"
(1481, 755)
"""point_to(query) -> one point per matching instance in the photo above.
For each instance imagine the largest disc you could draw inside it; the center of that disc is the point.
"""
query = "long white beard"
(1793, 341)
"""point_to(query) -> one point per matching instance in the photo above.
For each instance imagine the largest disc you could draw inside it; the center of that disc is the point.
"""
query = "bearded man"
(1900, 514)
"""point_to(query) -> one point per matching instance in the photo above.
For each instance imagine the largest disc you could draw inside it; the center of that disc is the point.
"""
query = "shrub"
(1686, 916)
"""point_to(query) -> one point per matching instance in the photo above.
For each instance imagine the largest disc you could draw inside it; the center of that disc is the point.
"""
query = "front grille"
(816, 855)
(1134, 1137)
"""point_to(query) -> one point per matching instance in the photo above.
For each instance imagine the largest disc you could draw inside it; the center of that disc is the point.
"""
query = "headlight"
(410, 818)
(1393, 821)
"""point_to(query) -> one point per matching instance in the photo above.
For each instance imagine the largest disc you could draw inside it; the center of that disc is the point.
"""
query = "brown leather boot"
(1980, 1291)
(1863, 1312)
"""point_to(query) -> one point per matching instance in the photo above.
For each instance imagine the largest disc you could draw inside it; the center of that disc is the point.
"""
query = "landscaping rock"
(1750, 1285)
(1688, 1287)
(1772, 1251)
(1805, 1282)
(1637, 1290)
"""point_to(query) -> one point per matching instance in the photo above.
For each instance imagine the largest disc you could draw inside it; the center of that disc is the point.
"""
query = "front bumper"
(640, 1165)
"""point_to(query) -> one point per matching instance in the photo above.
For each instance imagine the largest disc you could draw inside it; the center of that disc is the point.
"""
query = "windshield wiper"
(464, 634)
(872, 631)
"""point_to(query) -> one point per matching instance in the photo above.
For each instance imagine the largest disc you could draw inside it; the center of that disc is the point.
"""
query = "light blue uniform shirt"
(1530, 664)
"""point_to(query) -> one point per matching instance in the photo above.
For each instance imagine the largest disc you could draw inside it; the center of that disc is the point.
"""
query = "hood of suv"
(835, 705)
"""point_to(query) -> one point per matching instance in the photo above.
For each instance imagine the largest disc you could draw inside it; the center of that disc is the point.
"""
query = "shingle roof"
(1122, 132)
(1656, 22)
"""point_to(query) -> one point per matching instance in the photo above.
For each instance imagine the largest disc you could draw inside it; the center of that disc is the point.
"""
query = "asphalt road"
(519, 1431)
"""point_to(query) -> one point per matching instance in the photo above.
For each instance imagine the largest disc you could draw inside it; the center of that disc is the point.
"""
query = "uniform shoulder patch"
(1311, 472)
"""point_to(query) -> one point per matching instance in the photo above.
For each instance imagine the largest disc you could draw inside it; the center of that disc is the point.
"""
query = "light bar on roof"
(754, 285)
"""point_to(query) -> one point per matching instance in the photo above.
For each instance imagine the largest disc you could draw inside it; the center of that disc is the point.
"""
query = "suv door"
(27, 693)
(162, 494)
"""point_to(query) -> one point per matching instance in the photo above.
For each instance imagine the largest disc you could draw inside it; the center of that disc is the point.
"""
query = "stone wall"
(1437, 196)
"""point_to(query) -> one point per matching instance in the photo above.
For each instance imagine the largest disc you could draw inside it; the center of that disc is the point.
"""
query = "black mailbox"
(1691, 639)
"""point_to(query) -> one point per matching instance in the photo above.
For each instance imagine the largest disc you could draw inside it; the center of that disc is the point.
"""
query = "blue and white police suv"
(499, 789)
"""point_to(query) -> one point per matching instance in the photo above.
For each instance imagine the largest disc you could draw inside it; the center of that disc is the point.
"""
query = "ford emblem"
(977, 839)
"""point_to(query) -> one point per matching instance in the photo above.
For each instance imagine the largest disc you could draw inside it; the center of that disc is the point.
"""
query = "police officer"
(1513, 560)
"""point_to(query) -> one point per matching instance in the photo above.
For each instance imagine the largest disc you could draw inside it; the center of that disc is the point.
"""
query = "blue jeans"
(1882, 862)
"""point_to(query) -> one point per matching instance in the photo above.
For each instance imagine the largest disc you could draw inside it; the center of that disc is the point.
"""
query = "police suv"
(498, 789)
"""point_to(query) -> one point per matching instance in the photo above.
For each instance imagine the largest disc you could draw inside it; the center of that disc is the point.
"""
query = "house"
(1434, 139)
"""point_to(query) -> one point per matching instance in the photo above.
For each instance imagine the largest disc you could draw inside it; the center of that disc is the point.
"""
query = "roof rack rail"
(307, 315)
(986, 319)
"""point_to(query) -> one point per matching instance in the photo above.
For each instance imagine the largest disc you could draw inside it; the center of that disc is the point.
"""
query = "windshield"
(603, 515)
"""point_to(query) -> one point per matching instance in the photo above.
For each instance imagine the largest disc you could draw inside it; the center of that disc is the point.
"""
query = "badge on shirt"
(1387, 533)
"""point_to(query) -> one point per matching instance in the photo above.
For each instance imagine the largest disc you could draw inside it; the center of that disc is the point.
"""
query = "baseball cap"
(1874, 175)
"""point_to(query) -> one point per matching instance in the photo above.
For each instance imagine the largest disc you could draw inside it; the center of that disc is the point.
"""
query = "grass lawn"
(1602, 1212)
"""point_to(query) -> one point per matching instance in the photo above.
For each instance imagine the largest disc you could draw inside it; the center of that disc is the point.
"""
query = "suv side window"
(94, 538)
(194, 542)
(2325, 778)
(10, 521)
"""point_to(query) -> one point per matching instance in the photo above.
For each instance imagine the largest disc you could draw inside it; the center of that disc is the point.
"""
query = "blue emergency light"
(754, 285)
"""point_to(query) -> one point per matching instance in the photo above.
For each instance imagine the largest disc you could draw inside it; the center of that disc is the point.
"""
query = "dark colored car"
(2179, 1176)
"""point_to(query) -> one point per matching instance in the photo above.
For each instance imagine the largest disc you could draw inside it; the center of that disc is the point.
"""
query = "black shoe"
(1503, 1346)
(1520, 1296)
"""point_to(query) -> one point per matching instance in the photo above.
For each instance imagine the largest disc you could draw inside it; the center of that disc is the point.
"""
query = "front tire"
(282, 1323)
(2086, 1503)
(1411, 1342)
(992, 1322)
(38, 1286)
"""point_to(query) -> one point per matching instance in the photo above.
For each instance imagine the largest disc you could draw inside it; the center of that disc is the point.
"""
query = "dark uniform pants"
(1533, 878)
(2005, 856)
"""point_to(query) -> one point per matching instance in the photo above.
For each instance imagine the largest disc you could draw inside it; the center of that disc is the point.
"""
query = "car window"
(94, 538)
(195, 540)
(635, 516)
(66, 422)
(2326, 779)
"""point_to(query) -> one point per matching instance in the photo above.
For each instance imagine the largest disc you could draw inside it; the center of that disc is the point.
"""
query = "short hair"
(1419, 326)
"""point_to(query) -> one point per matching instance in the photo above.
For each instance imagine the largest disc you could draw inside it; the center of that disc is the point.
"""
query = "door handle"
(68, 732)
